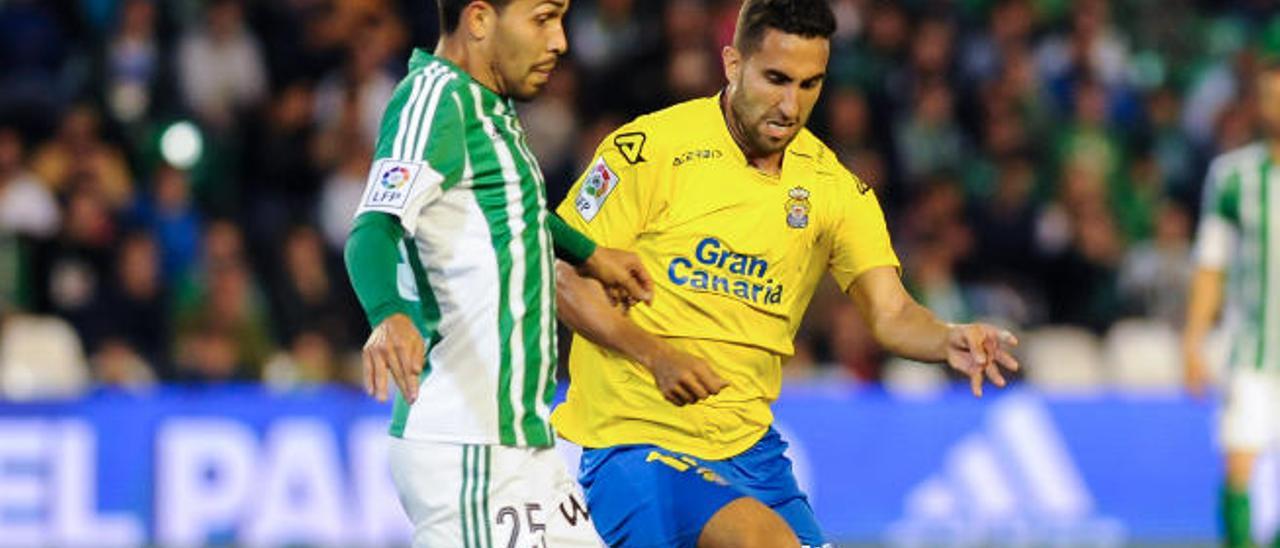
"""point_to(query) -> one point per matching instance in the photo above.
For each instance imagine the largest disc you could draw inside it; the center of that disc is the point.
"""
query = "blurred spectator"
(310, 360)
(70, 270)
(340, 195)
(363, 83)
(131, 315)
(117, 364)
(33, 50)
(222, 311)
(929, 140)
(223, 334)
(134, 63)
(220, 66)
(26, 205)
(1083, 249)
(167, 212)
(307, 299)
(281, 181)
(1155, 274)
(79, 159)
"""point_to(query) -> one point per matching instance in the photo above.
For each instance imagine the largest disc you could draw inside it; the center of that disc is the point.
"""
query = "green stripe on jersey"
(536, 353)
(1264, 330)
(462, 497)
(1240, 192)
(492, 198)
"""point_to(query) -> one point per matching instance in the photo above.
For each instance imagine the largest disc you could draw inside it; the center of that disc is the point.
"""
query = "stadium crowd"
(1040, 162)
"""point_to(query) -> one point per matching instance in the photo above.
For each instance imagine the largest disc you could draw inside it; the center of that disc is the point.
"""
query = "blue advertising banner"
(181, 466)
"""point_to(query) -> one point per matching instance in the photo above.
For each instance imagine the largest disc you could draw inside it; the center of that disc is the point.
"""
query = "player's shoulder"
(824, 166)
(660, 132)
(1243, 157)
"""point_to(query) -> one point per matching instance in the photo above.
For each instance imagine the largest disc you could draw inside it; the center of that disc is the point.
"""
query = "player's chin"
(529, 90)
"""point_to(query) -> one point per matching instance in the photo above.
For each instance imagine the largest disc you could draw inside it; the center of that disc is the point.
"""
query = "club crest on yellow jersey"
(798, 207)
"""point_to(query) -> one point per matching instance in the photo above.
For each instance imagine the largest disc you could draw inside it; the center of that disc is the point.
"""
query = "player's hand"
(684, 379)
(395, 346)
(625, 279)
(980, 350)
(1195, 373)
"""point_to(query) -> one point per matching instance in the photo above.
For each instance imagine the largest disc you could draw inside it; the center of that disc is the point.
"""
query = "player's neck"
(769, 163)
(1273, 145)
(476, 64)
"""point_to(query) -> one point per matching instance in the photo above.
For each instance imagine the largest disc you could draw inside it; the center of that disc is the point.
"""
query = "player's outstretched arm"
(1202, 309)
(621, 272)
(907, 329)
(581, 303)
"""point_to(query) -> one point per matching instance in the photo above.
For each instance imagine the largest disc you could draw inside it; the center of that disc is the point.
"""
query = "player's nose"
(789, 104)
(557, 43)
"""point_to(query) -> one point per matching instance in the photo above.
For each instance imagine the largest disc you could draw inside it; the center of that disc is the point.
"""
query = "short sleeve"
(420, 152)
(614, 199)
(860, 239)
(1219, 217)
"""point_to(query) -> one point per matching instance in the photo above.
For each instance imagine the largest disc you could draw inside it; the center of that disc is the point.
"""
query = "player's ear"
(732, 64)
(479, 18)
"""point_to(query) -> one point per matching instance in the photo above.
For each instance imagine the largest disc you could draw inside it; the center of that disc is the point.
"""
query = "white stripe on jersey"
(397, 146)
(425, 132)
(515, 283)
(434, 74)
(546, 342)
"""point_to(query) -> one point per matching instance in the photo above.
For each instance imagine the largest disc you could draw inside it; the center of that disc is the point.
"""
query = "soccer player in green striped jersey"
(1238, 243)
(451, 256)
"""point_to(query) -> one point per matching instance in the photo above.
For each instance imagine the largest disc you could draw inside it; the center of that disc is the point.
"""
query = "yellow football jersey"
(735, 255)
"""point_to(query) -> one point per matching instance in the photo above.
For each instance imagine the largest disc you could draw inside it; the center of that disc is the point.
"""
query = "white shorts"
(485, 496)
(1251, 411)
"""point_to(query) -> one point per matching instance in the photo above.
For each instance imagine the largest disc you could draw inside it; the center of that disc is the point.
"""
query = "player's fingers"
(975, 382)
(693, 385)
(412, 364)
(993, 373)
(378, 372)
(711, 380)
(642, 279)
(399, 374)
(636, 289)
(366, 372)
(1007, 338)
(678, 395)
(974, 339)
(1007, 361)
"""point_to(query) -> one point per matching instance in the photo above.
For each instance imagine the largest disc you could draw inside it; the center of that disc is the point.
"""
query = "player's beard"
(748, 125)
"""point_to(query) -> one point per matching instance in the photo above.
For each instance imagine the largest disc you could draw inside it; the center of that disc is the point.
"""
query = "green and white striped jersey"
(1238, 230)
(453, 165)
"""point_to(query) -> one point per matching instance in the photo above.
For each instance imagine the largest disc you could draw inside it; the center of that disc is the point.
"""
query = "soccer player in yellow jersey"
(740, 211)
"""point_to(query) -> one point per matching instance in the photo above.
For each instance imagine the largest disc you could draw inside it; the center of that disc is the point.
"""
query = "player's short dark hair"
(805, 18)
(451, 12)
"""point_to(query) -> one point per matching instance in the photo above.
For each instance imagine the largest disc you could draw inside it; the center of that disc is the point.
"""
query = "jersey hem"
(465, 440)
(701, 451)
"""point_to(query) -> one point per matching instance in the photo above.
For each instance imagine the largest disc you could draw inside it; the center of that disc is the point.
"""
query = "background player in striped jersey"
(451, 256)
(1239, 241)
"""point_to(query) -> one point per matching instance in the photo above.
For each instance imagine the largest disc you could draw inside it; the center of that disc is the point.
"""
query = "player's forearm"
(1202, 307)
(582, 305)
(570, 245)
(912, 332)
(372, 255)
(897, 322)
